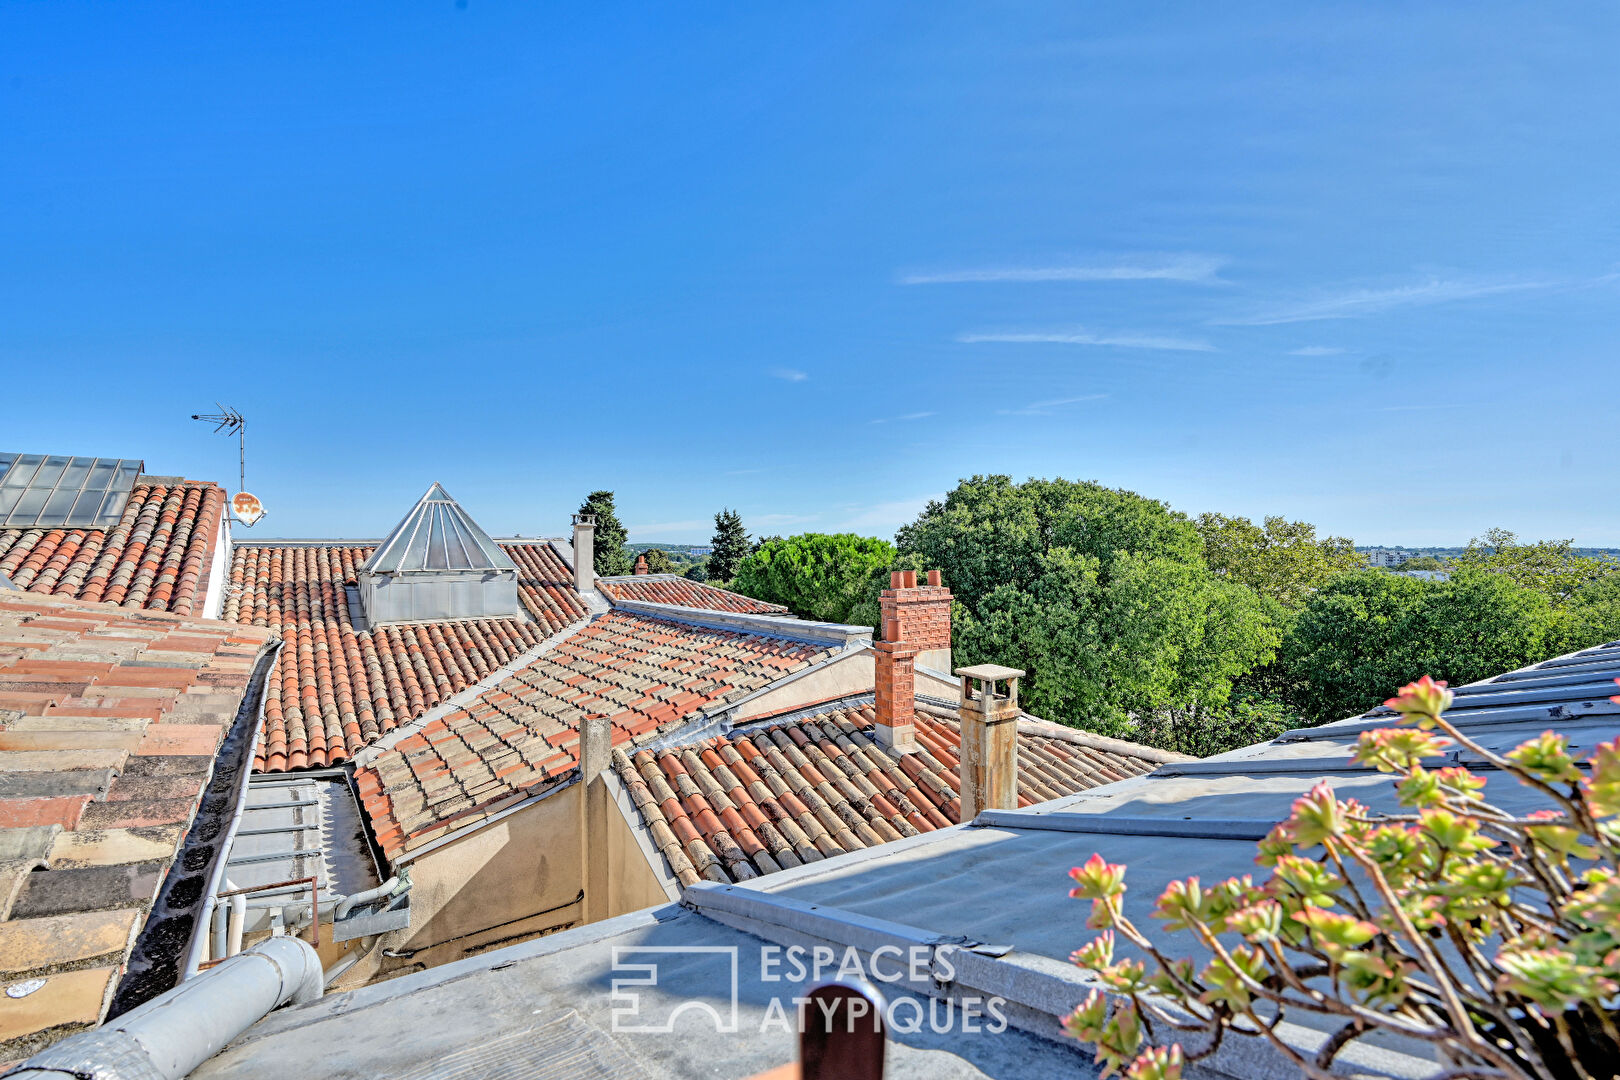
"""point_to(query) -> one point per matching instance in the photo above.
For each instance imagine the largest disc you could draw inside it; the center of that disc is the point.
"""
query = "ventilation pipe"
(175, 1032)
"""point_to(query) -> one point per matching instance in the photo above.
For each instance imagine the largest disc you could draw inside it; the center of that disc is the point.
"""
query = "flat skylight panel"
(55, 491)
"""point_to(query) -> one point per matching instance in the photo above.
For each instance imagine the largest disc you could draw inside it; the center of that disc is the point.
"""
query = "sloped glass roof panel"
(57, 491)
(437, 535)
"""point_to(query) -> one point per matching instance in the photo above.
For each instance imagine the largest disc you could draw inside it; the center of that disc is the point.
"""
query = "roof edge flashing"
(778, 626)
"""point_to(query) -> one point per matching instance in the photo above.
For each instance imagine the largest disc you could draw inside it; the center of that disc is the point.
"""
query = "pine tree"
(612, 558)
(730, 544)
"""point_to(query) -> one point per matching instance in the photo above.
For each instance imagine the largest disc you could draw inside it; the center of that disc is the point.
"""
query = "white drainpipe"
(175, 1032)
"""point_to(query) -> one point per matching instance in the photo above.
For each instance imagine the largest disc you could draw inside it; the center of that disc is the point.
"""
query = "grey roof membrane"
(53, 491)
(437, 535)
(991, 896)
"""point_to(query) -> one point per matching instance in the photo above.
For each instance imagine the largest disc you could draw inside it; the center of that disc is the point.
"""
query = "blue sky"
(1355, 264)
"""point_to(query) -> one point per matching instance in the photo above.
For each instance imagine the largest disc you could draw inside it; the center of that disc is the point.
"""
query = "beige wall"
(852, 675)
(510, 881)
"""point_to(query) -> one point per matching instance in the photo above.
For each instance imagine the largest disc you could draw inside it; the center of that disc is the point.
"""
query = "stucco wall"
(510, 881)
(851, 675)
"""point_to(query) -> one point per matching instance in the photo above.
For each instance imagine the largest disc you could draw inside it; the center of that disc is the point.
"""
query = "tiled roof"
(109, 723)
(337, 689)
(683, 592)
(645, 674)
(157, 556)
(546, 585)
(780, 794)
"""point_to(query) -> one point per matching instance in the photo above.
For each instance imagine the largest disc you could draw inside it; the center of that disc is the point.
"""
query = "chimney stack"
(584, 552)
(989, 739)
(916, 625)
(641, 564)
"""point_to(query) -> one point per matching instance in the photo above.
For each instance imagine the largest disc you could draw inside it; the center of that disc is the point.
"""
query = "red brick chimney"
(641, 564)
(916, 621)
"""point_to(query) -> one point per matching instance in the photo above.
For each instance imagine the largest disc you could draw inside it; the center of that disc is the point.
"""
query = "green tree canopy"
(1366, 632)
(698, 571)
(1423, 562)
(832, 578)
(1284, 560)
(730, 545)
(1102, 595)
(658, 561)
(1549, 567)
(612, 558)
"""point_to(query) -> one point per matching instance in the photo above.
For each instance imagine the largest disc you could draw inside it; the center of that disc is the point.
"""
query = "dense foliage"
(1549, 567)
(1282, 560)
(1492, 936)
(611, 557)
(658, 561)
(1193, 635)
(1101, 595)
(829, 578)
(730, 545)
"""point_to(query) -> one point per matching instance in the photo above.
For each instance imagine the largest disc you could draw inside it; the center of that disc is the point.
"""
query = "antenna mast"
(230, 422)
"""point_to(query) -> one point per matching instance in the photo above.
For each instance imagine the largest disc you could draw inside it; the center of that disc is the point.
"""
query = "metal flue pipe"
(175, 1032)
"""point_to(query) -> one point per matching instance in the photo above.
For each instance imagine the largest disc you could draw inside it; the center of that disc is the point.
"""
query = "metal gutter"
(216, 879)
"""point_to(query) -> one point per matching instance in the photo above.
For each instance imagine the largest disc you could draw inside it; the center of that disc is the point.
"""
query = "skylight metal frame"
(437, 536)
(61, 491)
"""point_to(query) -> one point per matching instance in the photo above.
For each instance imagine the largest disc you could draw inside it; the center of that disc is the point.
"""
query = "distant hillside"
(1452, 552)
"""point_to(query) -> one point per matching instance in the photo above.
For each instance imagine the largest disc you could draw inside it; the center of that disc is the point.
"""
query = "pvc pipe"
(175, 1032)
(237, 923)
(219, 949)
(348, 903)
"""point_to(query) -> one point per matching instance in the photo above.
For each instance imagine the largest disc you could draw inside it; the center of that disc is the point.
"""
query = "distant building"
(1389, 556)
(700, 551)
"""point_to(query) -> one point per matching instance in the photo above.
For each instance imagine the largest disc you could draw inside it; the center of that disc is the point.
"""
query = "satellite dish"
(247, 507)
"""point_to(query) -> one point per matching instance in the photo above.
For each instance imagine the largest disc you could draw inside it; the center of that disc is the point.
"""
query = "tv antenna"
(230, 422)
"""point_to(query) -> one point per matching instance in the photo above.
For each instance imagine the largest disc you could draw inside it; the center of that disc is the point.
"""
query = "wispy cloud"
(901, 419)
(1353, 303)
(882, 519)
(1044, 408)
(1084, 337)
(1317, 350)
(789, 374)
(1197, 269)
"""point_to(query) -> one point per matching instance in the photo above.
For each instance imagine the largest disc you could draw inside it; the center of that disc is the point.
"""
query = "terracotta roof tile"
(156, 557)
(546, 585)
(683, 592)
(336, 689)
(645, 674)
(96, 792)
(780, 794)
